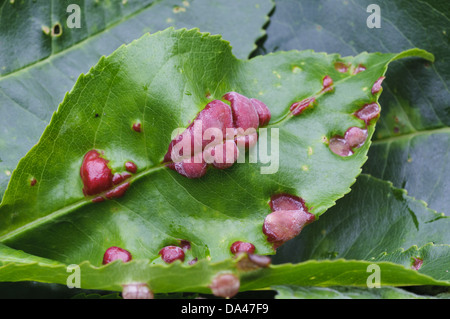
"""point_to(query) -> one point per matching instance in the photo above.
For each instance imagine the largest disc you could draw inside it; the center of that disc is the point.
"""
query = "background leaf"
(39, 70)
(177, 277)
(414, 102)
(376, 222)
(297, 292)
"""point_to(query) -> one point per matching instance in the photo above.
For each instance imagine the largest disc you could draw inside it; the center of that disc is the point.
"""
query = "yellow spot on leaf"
(305, 168)
(310, 151)
(277, 74)
(296, 69)
(178, 9)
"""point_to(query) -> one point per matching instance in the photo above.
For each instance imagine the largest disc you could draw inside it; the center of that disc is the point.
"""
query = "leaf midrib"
(411, 135)
(73, 206)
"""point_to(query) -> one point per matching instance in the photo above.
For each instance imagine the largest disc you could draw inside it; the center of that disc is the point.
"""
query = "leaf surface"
(297, 292)
(412, 138)
(163, 81)
(376, 222)
(38, 69)
(197, 278)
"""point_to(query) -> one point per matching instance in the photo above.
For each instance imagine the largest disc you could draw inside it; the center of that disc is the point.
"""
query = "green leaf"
(297, 292)
(376, 222)
(39, 69)
(53, 219)
(418, 162)
(177, 277)
(414, 102)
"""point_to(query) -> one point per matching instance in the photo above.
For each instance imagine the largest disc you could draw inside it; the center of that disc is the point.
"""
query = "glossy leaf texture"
(297, 292)
(163, 81)
(198, 277)
(330, 233)
(377, 222)
(411, 143)
(38, 68)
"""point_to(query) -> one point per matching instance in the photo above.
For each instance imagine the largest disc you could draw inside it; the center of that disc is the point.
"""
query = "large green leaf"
(39, 69)
(415, 108)
(197, 278)
(297, 292)
(162, 80)
(376, 222)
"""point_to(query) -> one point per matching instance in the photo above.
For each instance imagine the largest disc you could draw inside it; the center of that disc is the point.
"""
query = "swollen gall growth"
(98, 178)
(353, 138)
(116, 253)
(216, 134)
(225, 285)
(239, 246)
(171, 253)
(289, 216)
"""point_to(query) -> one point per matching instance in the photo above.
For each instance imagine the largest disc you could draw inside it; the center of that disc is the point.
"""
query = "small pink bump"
(117, 192)
(117, 178)
(33, 181)
(185, 244)
(341, 67)
(171, 253)
(377, 85)
(417, 263)
(286, 202)
(137, 127)
(225, 285)
(131, 167)
(327, 83)
(193, 261)
(259, 260)
(298, 107)
(355, 137)
(368, 112)
(239, 246)
(98, 199)
(126, 175)
(283, 225)
(359, 68)
(114, 253)
(95, 174)
(137, 291)
(248, 262)
(340, 146)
